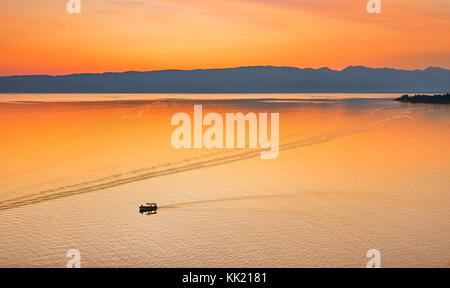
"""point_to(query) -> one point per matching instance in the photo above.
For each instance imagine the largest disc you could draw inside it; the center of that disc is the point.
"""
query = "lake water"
(355, 172)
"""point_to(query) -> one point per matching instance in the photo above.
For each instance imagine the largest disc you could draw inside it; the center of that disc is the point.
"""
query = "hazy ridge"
(255, 79)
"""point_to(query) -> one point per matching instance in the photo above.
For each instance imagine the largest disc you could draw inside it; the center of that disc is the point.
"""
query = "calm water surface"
(355, 172)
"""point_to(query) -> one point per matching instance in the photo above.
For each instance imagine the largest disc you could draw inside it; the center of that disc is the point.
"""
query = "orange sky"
(120, 35)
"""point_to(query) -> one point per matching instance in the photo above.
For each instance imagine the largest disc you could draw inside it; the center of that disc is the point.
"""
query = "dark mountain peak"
(356, 68)
(435, 69)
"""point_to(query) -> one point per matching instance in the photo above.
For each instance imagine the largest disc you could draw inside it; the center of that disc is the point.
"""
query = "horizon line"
(226, 68)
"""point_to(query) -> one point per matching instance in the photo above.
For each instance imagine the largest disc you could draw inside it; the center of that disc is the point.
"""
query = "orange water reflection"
(340, 162)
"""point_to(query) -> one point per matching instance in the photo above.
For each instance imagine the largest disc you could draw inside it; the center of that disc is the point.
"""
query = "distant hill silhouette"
(257, 79)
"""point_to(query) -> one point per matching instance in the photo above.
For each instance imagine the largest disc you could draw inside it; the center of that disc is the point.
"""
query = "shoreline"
(429, 99)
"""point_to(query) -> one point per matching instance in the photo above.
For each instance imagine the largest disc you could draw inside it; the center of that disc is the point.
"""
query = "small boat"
(149, 208)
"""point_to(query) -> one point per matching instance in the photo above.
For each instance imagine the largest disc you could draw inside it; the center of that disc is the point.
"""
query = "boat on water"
(149, 208)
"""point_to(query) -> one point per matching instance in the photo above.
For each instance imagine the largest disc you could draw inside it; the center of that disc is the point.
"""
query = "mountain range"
(254, 79)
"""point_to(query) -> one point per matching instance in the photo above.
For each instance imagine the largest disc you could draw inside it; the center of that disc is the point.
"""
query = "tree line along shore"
(420, 98)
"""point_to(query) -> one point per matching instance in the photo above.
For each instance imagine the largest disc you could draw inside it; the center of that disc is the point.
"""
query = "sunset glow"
(42, 38)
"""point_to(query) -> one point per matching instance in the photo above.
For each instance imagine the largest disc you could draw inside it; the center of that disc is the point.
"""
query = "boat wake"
(188, 164)
(187, 204)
